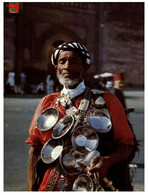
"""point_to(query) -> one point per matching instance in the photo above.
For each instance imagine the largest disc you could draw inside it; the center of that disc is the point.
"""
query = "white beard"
(67, 82)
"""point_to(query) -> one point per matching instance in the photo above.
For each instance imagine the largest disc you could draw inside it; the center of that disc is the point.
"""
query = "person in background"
(10, 84)
(109, 85)
(40, 88)
(23, 82)
(49, 84)
(117, 89)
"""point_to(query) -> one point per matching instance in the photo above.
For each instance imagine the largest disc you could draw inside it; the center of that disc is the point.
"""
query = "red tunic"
(121, 130)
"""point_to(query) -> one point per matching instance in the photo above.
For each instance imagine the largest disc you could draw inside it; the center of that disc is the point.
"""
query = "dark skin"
(70, 66)
(119, 84)
(101, 164)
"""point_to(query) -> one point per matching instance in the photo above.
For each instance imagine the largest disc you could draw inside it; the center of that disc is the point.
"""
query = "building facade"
(112, 33)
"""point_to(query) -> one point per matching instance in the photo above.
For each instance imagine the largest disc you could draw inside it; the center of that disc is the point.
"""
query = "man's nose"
(67, 65)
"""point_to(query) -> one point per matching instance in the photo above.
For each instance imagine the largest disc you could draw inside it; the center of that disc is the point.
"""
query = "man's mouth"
(65, 78)
(67, 74)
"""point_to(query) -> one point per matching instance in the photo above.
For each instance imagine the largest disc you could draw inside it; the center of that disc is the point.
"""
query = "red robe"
(121, 131)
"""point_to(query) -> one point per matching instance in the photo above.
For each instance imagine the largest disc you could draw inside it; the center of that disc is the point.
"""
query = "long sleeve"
(121, 130)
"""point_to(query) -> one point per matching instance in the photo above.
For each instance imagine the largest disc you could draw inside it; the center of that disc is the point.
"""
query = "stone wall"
(112, 32)
(124, 41)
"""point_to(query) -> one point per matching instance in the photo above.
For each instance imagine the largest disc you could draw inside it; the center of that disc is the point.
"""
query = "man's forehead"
(68, 54)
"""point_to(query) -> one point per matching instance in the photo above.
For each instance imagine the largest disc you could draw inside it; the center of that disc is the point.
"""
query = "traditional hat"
(71, 46)
(118, 76)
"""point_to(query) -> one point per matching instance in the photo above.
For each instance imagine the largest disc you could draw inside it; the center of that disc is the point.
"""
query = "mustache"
(66, 72)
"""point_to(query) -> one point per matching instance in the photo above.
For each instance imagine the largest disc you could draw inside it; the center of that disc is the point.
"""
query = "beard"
(67, 81)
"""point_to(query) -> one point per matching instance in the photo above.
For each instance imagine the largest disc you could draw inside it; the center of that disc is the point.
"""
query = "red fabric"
(46, 178)
(38, 138)
(121, 131)
(118, 76)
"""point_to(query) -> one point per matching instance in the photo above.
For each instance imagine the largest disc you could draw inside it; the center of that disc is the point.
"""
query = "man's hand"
(98, 165)
(101, 164)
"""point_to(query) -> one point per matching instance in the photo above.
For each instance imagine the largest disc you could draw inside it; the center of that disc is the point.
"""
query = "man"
(72, 61)
(118, 88)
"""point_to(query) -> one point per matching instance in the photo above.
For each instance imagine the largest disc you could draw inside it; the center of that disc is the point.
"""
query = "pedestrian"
(49, 84)
(40, 88)
(23, 82)
(10, 84)
(118, 88)
(115, 144)
(109, 85)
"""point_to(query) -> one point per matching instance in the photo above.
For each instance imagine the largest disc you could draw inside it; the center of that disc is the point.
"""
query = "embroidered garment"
(121, 131)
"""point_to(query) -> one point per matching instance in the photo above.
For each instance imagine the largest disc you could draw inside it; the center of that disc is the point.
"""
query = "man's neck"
(74, 91)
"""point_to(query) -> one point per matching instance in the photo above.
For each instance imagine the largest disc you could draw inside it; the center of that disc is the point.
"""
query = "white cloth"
(11, 79)
(74, 92)
(49, 85)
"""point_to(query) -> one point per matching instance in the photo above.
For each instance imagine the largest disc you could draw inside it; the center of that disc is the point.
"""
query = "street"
(18, 113)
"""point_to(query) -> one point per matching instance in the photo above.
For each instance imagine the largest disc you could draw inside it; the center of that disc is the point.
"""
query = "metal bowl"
(99, 120)
(47, 119)
(51, 150)
(84, 139)
(85, 162)
(62, 127)
(69, 160)
(83, 183)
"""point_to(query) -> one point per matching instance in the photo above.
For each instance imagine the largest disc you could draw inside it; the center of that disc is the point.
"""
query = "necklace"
(67, 103)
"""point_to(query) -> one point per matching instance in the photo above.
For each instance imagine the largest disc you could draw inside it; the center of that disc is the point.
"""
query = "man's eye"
(61, 62)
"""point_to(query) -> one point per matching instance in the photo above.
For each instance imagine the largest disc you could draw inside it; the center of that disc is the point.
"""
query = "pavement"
(18, 113)
(135, 99)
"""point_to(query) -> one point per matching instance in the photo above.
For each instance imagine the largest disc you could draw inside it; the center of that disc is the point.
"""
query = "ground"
(18, 113)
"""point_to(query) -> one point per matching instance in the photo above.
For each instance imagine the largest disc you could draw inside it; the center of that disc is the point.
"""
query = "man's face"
(119, 84)
(70, 69)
